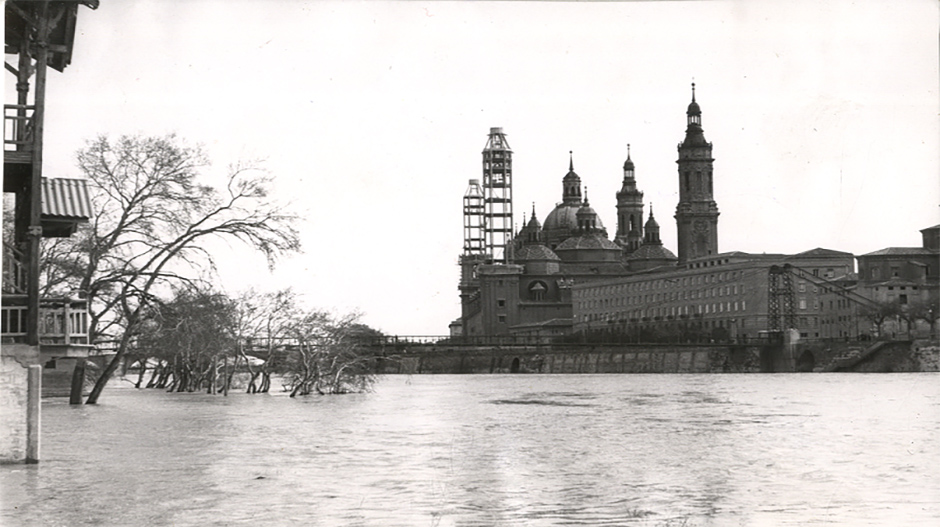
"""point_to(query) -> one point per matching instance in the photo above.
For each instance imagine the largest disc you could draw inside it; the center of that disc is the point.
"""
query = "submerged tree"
(153, 217)
(328, 356)
(198, 339)
(263, 324)
(190, 341)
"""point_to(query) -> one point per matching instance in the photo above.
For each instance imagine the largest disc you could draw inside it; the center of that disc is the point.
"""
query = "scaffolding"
(473, 212)
(497, 197)
(781, 314)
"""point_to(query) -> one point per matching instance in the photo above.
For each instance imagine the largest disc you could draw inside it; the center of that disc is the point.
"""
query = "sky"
(372, 117)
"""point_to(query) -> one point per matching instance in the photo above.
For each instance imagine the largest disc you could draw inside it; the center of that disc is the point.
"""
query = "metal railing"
(18, 126)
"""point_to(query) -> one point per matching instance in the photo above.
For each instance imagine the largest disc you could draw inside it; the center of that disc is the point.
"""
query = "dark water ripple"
(645, 450)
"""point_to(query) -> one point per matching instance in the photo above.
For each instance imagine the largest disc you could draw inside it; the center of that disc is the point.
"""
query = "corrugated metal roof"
(66, 198)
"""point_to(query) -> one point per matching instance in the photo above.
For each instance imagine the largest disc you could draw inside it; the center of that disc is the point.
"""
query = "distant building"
(905, 281)
(565, 275)
(718, 297)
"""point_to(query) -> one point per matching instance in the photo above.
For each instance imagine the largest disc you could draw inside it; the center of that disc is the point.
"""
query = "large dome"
(565, 217)
(562, 217)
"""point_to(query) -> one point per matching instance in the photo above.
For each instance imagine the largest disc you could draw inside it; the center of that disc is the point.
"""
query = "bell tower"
(629, 210)
(697, 212)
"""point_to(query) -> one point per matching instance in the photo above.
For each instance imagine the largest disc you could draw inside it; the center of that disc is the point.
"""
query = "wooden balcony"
(63, 325)
(18, 133)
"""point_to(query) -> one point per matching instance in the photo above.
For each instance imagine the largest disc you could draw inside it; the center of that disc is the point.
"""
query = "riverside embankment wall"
(572, 359)
(900, 356)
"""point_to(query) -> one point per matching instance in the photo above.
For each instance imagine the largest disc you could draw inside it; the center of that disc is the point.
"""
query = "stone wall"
(806, 356)
(873, 356)
(926, 355)
(572, 359)
(13, 401)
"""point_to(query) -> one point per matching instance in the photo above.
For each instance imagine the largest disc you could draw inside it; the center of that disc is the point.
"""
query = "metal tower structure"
(497, 197)
(780, 299)
(474, 242)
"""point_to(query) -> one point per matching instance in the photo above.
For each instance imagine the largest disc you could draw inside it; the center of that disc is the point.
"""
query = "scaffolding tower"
(473, 211)
(497, 197)
(781, 313)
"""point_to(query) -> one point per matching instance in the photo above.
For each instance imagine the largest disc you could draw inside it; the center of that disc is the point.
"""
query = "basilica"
(566, 274)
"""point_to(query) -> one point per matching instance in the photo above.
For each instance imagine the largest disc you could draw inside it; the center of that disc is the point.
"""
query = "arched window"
(537, 291)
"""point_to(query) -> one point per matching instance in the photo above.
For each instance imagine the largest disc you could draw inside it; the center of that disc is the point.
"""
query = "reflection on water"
(645, 450)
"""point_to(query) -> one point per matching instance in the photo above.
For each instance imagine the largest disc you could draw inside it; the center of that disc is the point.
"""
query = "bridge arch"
(806, 361)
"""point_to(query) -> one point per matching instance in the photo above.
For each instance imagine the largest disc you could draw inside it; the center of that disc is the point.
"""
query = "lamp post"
(930, 321)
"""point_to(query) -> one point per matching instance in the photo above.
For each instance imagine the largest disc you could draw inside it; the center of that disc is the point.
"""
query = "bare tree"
(878, 313)
(329, 357)
(191, 336)
(153, 214)
(263, 326)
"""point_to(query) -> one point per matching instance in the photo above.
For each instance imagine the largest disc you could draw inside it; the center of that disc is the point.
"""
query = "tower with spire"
(651, 254)
(587, 219)
(697, 212)
(629, 210)
(562, 222)
(571, 184)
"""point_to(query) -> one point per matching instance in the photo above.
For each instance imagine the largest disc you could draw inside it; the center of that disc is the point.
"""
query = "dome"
(564, 216)
(628, 164)
(651, 223)
(586, 210)
(588, 241)
(693, 106)
(535, 252)
(534, 223)
(651, 252)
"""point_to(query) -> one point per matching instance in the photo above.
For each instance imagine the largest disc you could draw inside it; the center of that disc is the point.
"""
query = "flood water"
(487, 450)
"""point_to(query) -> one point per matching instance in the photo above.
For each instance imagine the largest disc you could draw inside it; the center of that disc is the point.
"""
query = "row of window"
(666, 283)
(671, 311)
(672, 296)
(875, 272)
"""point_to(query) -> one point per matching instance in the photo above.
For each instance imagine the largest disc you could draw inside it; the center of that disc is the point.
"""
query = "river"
(497, 450)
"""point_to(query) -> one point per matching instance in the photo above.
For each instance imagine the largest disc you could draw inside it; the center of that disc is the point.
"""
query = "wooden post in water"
(33, 396)
(78, 382)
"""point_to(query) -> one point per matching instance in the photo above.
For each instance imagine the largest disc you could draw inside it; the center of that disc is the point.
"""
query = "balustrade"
(61, 321)
(14, 270)
(18, 126)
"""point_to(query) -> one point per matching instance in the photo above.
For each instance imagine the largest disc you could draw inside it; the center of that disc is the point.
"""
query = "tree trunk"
(109, 370)
(141, 373)
(156, 375)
